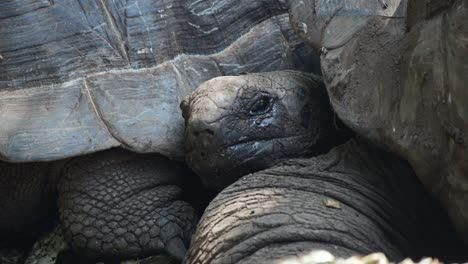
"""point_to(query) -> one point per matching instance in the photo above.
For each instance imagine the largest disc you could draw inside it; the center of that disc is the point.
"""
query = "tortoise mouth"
(222, 166)
(255, 145)
(244, 151)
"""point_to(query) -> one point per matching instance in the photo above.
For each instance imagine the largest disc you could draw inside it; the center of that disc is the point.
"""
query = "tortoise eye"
(261, 105)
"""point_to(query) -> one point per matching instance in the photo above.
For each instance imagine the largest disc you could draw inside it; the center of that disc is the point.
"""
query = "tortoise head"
(235, 125)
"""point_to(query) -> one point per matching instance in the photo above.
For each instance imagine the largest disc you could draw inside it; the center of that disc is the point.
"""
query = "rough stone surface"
(286, 212)
(81, 76)
(399, 78)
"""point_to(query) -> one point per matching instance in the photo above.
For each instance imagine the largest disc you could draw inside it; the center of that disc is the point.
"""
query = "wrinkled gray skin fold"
(353, 200)
(81, 77)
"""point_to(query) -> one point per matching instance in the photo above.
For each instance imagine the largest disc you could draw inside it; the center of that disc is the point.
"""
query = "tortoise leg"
(118, 204)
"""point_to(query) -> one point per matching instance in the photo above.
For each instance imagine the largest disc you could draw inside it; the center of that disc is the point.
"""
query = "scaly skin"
(117, 204)
(112, 205)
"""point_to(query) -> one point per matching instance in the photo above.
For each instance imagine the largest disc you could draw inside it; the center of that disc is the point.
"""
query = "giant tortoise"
(352, 199)
(396, 72)
(80, 78)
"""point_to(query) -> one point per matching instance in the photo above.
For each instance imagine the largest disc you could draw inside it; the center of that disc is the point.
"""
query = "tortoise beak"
(185, 107)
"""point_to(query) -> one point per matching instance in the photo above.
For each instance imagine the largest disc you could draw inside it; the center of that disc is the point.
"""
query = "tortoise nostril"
(209, 132)
(206, 132)
(201, 129)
